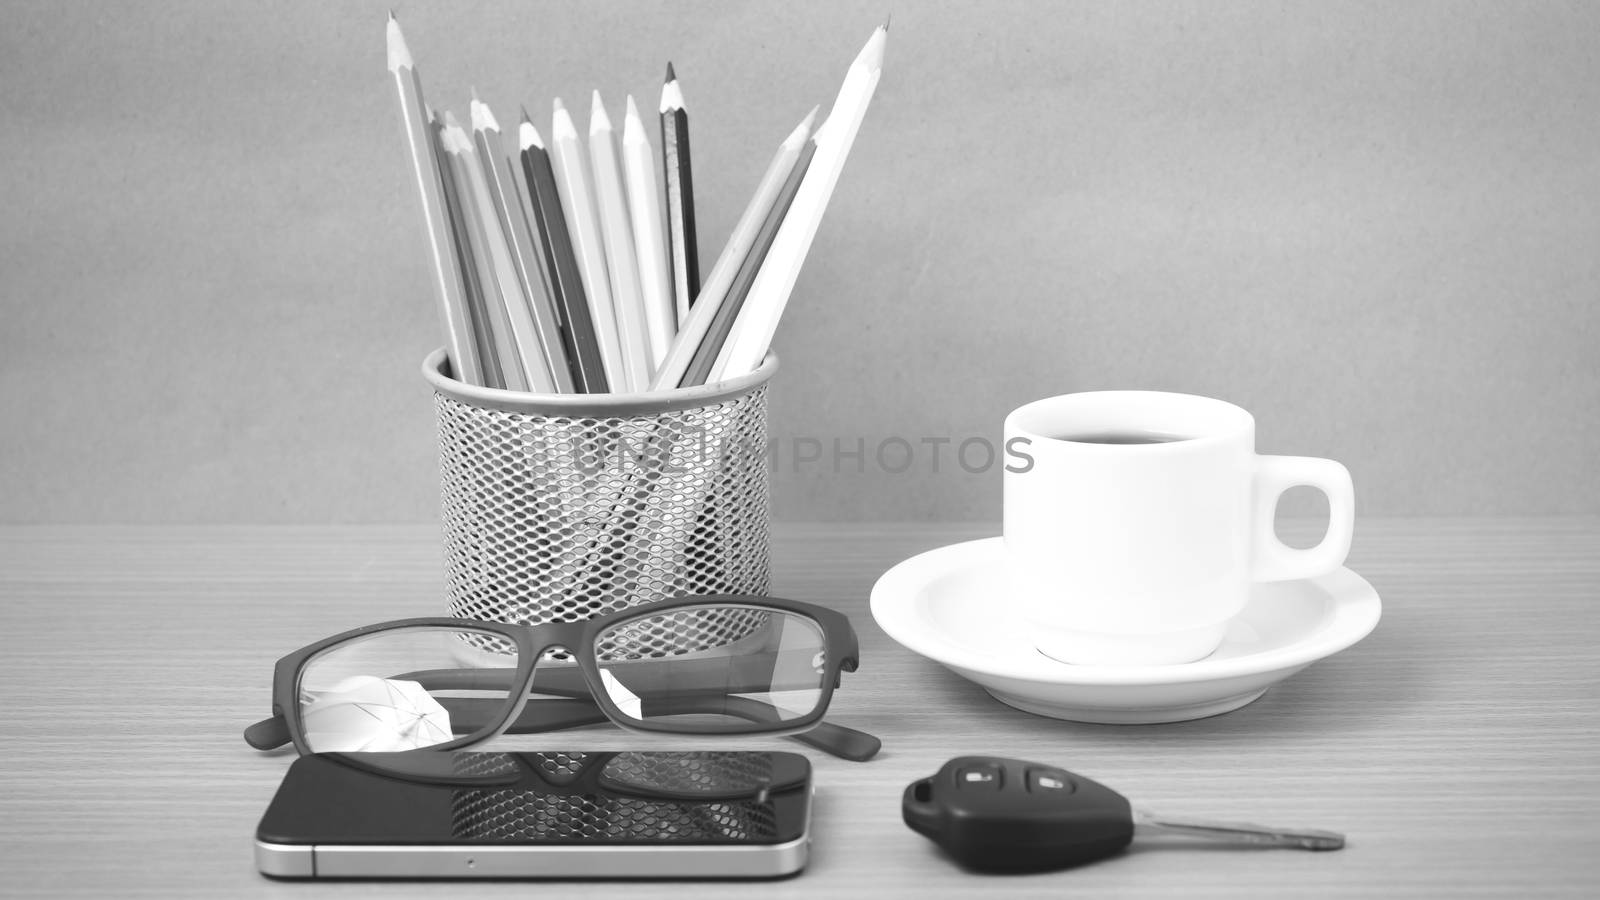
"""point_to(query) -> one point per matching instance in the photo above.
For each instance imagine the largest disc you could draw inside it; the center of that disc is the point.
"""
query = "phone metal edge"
(524, 861)
(344, 860)
(286, 860)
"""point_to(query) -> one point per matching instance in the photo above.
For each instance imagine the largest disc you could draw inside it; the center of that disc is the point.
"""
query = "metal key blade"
(1146, 822)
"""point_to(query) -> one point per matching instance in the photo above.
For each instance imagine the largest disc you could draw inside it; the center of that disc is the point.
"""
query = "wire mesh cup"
(562, 507)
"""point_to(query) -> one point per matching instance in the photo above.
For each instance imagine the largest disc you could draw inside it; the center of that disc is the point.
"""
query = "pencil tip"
(448, 135)
(474, 91)
(399, 53)
(482, 117)
(671, 75)
(803, 130)
(529, 135)
(886, 20)
(871, 55)
(525, 116)
(671, 97)
(391, 14)
(561, 123)
(598, 120)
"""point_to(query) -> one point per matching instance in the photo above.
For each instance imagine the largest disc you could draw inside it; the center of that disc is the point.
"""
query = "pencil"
(758, 321)
(716, 338)
(482, 327)
(458, 150)
(544, 357)
(513, 309)
(684, 347)
(644, 208)
(583, 226)
(460, 343)
(680, 195)
(617, 233)
(561, 263)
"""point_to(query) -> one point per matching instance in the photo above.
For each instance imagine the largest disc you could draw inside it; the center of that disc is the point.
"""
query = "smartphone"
(623, 814)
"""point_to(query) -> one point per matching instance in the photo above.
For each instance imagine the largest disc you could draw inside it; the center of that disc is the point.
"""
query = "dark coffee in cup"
(1120, 437)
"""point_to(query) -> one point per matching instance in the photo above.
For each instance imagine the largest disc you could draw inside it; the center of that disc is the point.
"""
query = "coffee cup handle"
(1272, 559)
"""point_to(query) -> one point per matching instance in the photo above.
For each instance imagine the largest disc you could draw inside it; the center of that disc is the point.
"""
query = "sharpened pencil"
(455, 205)
(567, 160)
(460, 342)
(758, 321)
(616, 231)
(473, 196)
(716, 338)
(649, 241)
(539, 328)
(560, 263)
(715, 291)
(675, 163)
(506, 288)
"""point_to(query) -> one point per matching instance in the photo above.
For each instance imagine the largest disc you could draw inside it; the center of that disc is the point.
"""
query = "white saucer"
(950, 606)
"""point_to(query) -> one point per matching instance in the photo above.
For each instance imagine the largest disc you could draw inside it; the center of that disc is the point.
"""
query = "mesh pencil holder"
(562, 507)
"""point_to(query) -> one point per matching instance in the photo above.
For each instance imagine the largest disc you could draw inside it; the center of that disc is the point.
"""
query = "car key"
(1001, 814)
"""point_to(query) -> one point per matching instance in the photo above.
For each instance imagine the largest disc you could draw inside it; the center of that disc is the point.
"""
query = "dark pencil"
(705, 358)
(561, 264)
(685, 251)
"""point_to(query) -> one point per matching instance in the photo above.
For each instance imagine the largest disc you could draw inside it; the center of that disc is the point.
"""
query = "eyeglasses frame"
(578, 638)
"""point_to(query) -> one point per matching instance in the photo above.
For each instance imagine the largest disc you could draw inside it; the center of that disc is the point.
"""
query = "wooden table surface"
(1458, 746)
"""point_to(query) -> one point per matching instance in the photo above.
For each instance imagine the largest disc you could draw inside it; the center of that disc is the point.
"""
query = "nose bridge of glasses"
(552, 636)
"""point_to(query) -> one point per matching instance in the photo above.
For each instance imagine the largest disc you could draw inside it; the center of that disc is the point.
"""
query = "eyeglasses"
(722, 664)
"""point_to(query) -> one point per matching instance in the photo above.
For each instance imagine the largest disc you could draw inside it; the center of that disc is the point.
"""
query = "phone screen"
(550, 798)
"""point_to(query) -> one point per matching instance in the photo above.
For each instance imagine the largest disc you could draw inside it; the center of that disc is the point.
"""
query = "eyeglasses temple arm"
(540, 716)
(845, 743)
(268, 734)
(752, 672)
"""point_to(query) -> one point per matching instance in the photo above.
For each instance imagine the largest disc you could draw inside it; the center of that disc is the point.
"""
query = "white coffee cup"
(1140, 553)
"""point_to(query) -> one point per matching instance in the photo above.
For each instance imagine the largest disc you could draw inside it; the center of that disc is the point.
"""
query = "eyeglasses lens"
(714, 667)
(406, 689)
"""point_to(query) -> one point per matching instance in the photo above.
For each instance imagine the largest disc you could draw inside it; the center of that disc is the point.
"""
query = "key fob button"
(984, 777)
(1050, 781)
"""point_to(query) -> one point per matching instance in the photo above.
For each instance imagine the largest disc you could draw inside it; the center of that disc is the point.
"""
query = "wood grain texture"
(1456, 745)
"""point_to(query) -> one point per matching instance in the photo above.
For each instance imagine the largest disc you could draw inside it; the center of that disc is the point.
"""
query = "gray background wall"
(1373, 224)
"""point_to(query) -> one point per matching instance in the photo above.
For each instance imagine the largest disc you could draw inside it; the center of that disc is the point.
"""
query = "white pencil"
(758, 320)
(583, 226)
(617, 233)
(715, 290)
(649, 242)
(544, 357)
(460, 341)
(481, 231)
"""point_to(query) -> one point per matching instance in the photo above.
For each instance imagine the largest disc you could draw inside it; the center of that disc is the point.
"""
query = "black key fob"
(1008, 815)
